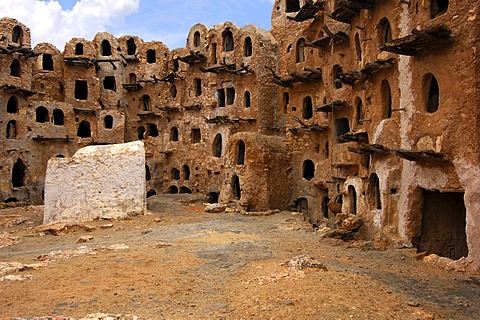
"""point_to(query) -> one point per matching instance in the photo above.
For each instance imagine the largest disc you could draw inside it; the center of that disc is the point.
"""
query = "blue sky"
(57, 21)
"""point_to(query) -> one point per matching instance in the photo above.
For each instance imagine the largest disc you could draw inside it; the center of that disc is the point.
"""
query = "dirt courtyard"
(179, 262)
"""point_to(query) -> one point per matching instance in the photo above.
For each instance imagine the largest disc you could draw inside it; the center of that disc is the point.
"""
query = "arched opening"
(152, 130)
(174, 134)
(300, 50)
(292, 6)
(11, 129)
(58, 117)
(236, 190)
(386, 100)
(358, 47)
(308, 169)
(41, 115)
(145, 102)
(173, 91)
(246, 99)
(217, 146)
(240, 152)
(151, 56)
(151, 193)
(84, 129)
(228, 44)
(185, 190)
(307, 108)
(230, 95)
(12, 105)
(175, 174)
(301, 205)
(186, 172)
(173, 190)
(60, 156)
(213, 197)
(352, 195)
(108, 122)
(286, 101)
(17, 35)
(18, 174)
(81, 90)
(148, 176)
(15, 70)
(47, 62)
(374, 197)
(198, 87)
(336, 76)
(247, 48)
(131, 46)
(141, 133)
(109, 83)
(384, 32)
(359, 110)
(432, 93)
(196, 39)
(106, 48)
(438, 7)
(79, 49)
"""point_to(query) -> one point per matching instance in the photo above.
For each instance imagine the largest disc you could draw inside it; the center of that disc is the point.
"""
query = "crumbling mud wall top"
(98, 181)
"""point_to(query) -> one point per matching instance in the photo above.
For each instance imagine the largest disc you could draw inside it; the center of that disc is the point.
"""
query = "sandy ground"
(183, 263)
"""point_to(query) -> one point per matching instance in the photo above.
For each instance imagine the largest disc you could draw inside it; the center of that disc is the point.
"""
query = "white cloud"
(50, 23)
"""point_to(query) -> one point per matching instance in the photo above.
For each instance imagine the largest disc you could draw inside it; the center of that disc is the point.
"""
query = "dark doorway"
(145, 102)
(148, 176)
(213, 197)
(292, 5)
(15, 68)
(341, 127)
(386, 99)
(186, 172)
(443, 225)
(248, 47)
(152, 130)
(217, 146)
(307, 108)
(58, 117)
(17, 34)
(151, 193)
(196, 135)
(18, 174)
(433, 95)
(247, 99)
(41, 115)
(11, 129)
(198, 87)
(325, 201)
(141, 133)
(131, 46)
(81, 90)
(173, 189)
(221, 98)
(84, 129)
(109, 83)
(47, 62)
(241, 152)
(196, 39)
(79, 49)
(308, 169)
(12, 105)
(236, 190)
(106, 49)
(175, 174)
(151, 56)
(230, 95)
(108, 122)
(352, 195)
(302, 206)
(174, 134)
(374, 196)
(185, 190)
(228, 44)
(438, 7)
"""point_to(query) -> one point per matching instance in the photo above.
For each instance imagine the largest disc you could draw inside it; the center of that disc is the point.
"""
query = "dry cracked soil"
(179, 262)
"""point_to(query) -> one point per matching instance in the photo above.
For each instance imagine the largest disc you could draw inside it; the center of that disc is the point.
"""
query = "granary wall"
(355, 107)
